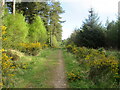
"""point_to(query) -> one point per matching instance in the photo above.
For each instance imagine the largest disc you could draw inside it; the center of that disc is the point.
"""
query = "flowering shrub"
(8, 64)
(7, 69)
(3, 32)
(75, 50)
(73, 76)
(97, 60)
(69, 48)
(82, 52)
(31, 48)
(101, 65)
(44, 45)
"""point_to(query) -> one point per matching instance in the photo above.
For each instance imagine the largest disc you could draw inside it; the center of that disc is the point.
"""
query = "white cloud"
(99, 5)
(105, 6)
(66, 33)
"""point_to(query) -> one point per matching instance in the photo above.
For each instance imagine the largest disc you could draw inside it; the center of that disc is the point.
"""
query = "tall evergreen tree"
(119, 33)
(37, 31)
(91, 34)
(112, 34)
(55, 23)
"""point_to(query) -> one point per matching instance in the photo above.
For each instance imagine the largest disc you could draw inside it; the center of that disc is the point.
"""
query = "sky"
(77, 10)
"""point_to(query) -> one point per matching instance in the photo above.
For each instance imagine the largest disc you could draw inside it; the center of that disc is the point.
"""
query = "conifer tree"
(37, 31)
(91, 33)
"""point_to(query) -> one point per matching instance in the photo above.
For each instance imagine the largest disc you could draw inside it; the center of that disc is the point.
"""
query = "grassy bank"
(37, 70)
(76, 74)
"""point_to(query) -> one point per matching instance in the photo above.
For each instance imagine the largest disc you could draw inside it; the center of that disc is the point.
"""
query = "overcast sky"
(77, 10)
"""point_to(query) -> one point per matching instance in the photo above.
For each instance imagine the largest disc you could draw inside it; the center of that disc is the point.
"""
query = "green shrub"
(55, 43)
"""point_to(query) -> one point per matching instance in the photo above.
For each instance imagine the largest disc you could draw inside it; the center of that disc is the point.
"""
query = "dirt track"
(59, 80)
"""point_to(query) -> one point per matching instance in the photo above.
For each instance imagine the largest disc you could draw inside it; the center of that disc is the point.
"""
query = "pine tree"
(55, 21)
(37, 31)
(111, 34)
(91, 33)
(119, 33)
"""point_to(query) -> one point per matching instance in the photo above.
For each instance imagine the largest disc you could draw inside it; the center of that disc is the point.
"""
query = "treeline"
(93, 34)
(33, 22)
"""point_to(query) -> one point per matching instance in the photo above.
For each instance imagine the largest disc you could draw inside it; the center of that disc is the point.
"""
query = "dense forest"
(33, 54)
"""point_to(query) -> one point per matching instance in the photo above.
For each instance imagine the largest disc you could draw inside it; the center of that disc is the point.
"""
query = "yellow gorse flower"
(3, 28)
(95, 58)
(11, 75)
(2, 50)
(31, 45)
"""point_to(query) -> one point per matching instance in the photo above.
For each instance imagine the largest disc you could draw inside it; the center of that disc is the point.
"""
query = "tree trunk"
(3, 3)
(13, 7)
(51, 38)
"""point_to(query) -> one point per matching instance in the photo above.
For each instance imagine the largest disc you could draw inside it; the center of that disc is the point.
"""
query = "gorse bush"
(3, 32)
(17, 30)
(9, 69)
(70, 48)
(31, 48)
(99, 63)
(74, 76)
(8, 64)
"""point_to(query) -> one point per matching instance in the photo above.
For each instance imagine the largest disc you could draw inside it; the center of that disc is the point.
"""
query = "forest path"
(50, 74)
(59, 80)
